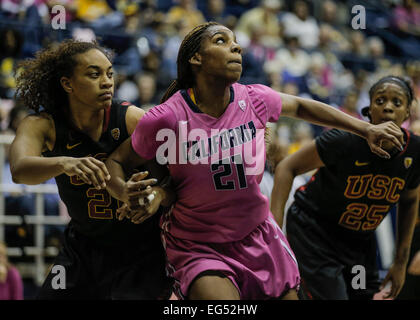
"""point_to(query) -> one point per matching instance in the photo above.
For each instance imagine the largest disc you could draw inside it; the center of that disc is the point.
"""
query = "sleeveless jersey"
(92, 211)
(356, 188)
(216, 164)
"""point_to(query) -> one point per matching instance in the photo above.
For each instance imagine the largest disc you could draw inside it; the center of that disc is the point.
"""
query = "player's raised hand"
(387, 131)
(90, 170)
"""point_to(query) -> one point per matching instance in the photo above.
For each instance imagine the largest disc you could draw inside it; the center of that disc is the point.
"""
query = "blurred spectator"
(318, 78)
(358, 57)
(239, 7)
(406, 18)
(216, 11)
(276, 151)
(300, 24)
(170, 49)
(185, 10)
(11, 285)
(98, 14)
(291, 61)
(263, 18)
(126, 88)
(331, 39)
(376, 48)
(303, 134)
(10, 53)
(349, 105)
(358, 45)
(146, 84)
(413, 71)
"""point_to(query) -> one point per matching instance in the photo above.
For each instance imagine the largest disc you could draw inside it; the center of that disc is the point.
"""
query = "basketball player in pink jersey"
(220, 237)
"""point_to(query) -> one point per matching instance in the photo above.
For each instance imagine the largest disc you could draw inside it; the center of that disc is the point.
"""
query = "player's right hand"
(387, 131)
(90, 170)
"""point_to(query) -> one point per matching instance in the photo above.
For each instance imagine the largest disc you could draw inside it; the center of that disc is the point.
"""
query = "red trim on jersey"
(106, 119)
(407, 142)
(302, 188)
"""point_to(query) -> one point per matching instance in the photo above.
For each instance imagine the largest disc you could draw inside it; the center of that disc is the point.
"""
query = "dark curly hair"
(38, 80)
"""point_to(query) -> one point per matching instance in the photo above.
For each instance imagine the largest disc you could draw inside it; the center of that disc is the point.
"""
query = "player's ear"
(407, 115)
(195, 59)
(65, 83)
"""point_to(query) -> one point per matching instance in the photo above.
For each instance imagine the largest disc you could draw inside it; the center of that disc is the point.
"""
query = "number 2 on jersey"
(227, 164)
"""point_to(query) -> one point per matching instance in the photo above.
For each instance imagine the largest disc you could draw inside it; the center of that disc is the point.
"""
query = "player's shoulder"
(253, 89)
(38, 121)
(414, 139)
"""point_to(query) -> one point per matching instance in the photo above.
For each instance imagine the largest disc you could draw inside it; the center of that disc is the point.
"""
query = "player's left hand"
(414, 267)
(387, 131)
(150, 206)
(395, 275)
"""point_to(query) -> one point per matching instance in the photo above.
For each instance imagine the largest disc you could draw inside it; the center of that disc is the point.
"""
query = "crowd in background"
(305, 48)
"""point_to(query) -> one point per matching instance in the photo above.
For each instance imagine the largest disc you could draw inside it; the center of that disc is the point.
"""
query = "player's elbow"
(17, 175)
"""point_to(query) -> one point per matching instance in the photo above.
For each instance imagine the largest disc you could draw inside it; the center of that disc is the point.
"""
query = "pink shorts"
(261, 266)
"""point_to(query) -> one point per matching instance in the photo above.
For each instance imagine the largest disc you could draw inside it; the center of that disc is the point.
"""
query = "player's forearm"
(35, 170)
(327, 116)
(283, 180)
(115, 186)
(406, 220)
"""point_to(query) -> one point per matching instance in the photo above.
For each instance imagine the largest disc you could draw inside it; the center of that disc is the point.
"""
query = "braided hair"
(189, 46)
(38, 82)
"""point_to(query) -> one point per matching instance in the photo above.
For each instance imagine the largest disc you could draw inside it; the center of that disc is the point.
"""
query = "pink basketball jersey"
(216, 163)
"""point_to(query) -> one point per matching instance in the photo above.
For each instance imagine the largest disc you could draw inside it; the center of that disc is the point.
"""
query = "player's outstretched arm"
(325, 115)
(302, 161)
(406, 220)
(37, 134)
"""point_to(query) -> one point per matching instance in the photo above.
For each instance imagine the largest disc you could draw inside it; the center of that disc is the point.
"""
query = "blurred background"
(304, 48)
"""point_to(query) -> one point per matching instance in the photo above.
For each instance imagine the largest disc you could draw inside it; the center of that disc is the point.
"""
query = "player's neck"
(212, 100)
(87, 120)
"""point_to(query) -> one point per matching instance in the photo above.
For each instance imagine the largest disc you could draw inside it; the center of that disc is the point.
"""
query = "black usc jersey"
(92, 211)
(356, 188)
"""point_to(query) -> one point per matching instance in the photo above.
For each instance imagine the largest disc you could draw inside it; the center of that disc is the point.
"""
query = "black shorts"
(331, 267)
(101, 272)
(411, 288)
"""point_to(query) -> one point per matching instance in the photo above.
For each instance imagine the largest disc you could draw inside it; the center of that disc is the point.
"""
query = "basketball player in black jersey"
(331, 224)
(75, 126)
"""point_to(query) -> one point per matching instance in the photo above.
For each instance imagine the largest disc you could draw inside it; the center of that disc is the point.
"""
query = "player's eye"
(220, 40)
(94, 74)
(110, 74)
(397, 102)
(379, 100)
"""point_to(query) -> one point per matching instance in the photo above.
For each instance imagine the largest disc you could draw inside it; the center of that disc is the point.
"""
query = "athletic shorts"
(333, 265)
(261, 265)
(411, 288)
(131, 271)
